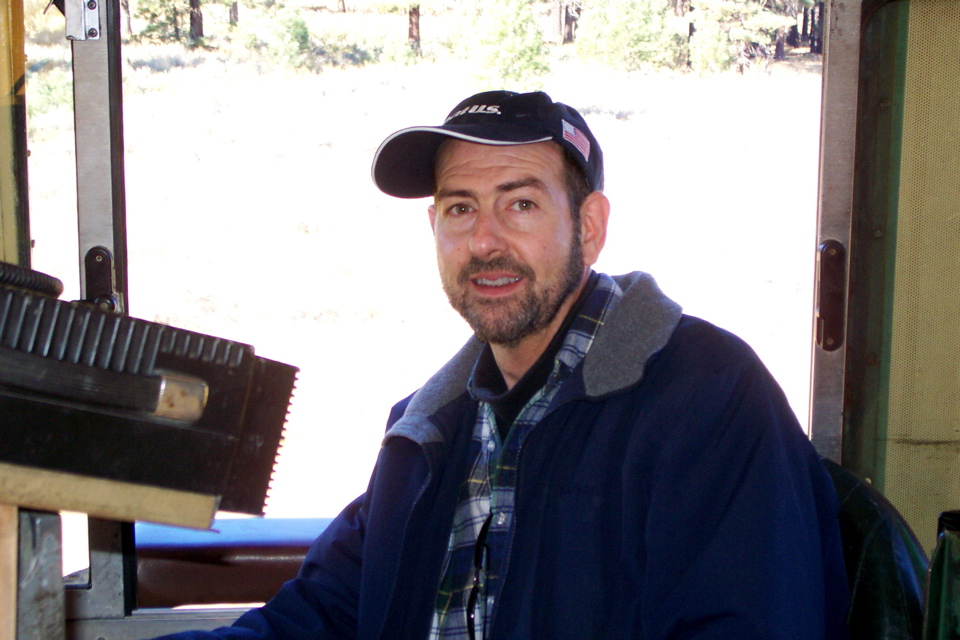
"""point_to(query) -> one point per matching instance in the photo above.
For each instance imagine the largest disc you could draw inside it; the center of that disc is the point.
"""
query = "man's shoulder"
(644, 326)
(696, 333)
(701, 346)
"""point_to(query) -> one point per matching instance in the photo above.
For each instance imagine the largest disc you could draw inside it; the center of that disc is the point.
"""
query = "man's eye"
(523, 205)
(459, 209)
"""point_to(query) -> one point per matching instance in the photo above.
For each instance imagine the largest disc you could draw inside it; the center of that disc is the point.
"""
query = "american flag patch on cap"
(575, 137)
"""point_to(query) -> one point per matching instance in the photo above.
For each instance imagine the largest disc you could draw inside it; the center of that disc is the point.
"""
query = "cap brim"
(403, 165)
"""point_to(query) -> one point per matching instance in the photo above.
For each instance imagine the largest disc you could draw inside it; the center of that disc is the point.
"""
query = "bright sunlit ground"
(252, 217)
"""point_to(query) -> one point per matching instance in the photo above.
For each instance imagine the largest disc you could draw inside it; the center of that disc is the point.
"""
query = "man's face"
(508, 250)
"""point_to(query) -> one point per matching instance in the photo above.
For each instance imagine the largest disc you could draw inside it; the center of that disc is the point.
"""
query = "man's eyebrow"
(453, 193)
(520, 184)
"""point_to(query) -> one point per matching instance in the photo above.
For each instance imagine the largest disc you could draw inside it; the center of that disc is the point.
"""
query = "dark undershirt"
(492, 388)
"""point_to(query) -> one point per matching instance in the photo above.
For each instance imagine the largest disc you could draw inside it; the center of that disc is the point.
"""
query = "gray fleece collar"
(638, 326)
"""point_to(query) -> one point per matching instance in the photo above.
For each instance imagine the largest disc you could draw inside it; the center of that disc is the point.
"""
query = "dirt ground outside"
(252, 216)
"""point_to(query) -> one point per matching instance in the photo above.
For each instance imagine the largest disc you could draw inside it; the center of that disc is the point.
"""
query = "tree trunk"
(793, 36)
(559, 13)
(234, 13)
(816, 29)
(413, 28)
(571, 13)
(196, 22)
(780, 49)
(127, 24)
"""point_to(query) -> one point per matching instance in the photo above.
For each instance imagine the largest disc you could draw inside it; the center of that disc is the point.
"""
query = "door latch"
(831, 295)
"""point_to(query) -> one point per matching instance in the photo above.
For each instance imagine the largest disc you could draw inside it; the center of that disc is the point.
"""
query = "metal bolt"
(92, 5)
(106, 303)
(92, 33)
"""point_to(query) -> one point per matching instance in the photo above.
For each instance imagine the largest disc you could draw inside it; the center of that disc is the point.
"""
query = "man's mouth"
(498, 282)
(497, 277)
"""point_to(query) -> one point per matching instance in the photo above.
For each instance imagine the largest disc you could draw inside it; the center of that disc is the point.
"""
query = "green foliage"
(266, 36)
(296, 43)
(732, 33)
(512, 46)
(632, 34)
(164, 20)
(391, 7)
(49, 87)
(301, 49)
(341, 50)
(647, 34)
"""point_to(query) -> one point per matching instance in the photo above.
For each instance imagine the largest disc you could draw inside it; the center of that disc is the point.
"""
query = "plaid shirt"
(489, 490)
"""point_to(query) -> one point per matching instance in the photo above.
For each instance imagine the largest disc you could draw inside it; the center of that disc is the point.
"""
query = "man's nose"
(487, 235)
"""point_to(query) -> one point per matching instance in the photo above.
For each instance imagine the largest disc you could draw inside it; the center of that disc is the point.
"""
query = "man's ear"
(432, 212)
(594, 214)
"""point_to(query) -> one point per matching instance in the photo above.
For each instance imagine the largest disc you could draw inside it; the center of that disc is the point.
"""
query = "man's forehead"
(546, 157)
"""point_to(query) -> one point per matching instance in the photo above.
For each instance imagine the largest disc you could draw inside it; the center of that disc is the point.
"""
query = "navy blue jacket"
(668, 493)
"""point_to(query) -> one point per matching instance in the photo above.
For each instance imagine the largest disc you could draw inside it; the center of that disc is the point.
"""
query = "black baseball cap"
(404, 164)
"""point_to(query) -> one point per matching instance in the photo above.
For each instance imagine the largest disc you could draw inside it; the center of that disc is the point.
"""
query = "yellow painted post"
(14, 248)
(14, 227)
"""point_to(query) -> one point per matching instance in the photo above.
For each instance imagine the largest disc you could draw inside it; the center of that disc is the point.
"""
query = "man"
(594, 463)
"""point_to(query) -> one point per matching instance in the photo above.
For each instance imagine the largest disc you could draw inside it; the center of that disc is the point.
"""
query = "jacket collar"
(638, 327)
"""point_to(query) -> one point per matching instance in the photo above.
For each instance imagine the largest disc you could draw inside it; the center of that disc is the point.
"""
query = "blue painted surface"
(240, 532)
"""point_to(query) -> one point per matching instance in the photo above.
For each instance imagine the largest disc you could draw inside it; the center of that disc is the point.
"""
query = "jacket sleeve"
(742, 537)
(321, 603)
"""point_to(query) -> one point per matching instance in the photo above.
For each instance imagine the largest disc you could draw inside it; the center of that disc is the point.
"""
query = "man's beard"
(508, 322)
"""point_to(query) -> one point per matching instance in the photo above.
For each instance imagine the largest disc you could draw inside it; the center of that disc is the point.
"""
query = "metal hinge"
(83, 19)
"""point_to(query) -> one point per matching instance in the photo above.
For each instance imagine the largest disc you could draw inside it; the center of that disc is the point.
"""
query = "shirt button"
(491, 445)
(501, 519)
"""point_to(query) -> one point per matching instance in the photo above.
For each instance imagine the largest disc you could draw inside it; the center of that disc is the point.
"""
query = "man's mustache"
(501, 263)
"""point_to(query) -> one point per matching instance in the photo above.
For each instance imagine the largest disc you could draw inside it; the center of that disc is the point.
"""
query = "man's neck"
(514, 361)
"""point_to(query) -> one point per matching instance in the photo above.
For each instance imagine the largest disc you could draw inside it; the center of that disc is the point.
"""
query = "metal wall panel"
(921, 442)
(900, 380)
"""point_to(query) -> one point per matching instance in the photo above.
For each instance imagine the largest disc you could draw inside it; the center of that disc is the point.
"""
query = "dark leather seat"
(886, 566)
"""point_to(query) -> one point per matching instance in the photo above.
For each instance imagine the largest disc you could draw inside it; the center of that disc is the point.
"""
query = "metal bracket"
(83, 19)
(109, 592)
(100, 280)
(831, 295)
